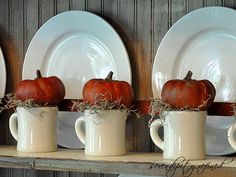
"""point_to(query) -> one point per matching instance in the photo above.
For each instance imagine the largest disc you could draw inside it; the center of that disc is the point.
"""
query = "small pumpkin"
(188, 93)
(42, 90)
(114, 91)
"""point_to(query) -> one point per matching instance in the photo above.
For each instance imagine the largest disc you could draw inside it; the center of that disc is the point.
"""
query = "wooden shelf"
(217, 108)
(132, 163)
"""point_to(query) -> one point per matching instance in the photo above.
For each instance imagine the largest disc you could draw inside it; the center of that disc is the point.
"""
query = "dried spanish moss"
(160, 109)
(157, 107)
(9, 101)
(101, 104)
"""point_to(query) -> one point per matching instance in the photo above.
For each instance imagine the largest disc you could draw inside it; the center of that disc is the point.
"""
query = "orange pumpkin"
(188, 93)
(114, 91)
(42, 90)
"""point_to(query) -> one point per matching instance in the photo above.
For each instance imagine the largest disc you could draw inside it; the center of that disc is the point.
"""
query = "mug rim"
(184, 111)
(41, 107)
(87, 111)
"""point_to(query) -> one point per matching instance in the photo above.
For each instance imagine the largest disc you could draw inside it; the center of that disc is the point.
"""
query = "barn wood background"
(141, 25)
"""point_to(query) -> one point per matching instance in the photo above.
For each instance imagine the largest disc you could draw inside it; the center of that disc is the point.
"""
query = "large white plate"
(203, 41)
(3, 74)
(76, 46)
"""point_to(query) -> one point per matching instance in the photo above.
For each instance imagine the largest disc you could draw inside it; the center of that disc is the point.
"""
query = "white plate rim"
(3, 74)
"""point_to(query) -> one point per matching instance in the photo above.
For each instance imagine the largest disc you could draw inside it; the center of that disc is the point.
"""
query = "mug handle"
(156, 124)
(231, 138)
(79, 129)
(13, 126)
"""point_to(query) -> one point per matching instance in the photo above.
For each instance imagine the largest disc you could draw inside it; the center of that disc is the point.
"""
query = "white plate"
(66, 136)
(203, 41)
(217, 132)
(3, 75)
(76, 46)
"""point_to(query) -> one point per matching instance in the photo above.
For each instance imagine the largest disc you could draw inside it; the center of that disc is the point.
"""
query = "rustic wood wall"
(140, 23)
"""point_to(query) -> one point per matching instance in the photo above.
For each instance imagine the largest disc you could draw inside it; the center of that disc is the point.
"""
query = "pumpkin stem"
(39, 75)
(188, 75)
(109, 76)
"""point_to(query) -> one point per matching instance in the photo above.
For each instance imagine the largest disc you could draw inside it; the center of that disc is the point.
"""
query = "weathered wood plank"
(132, 163)
(160, 24)
(109, 175)
(129, 22)
(45, 172)
(178, 10)
(47, 10)
(142, 140)
(61, 173)
(4, 29)
(16, 172)
(229, 3)
(93, 174)
(143, 64)
(77, 174)
(17, 42)
(110, 9)
(78, 5)
(143, 49)
(213, 2)
(126, 19)
(193, 5)
(5, 47)
(30, 173)
(95, 6)
(62, 6)
(4, 172)
(16, 54)
(31, 16)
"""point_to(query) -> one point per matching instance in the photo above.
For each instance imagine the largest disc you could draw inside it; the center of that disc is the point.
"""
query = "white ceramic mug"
(34, 129)
(184, 134)
(103, 132)
(232, 136)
